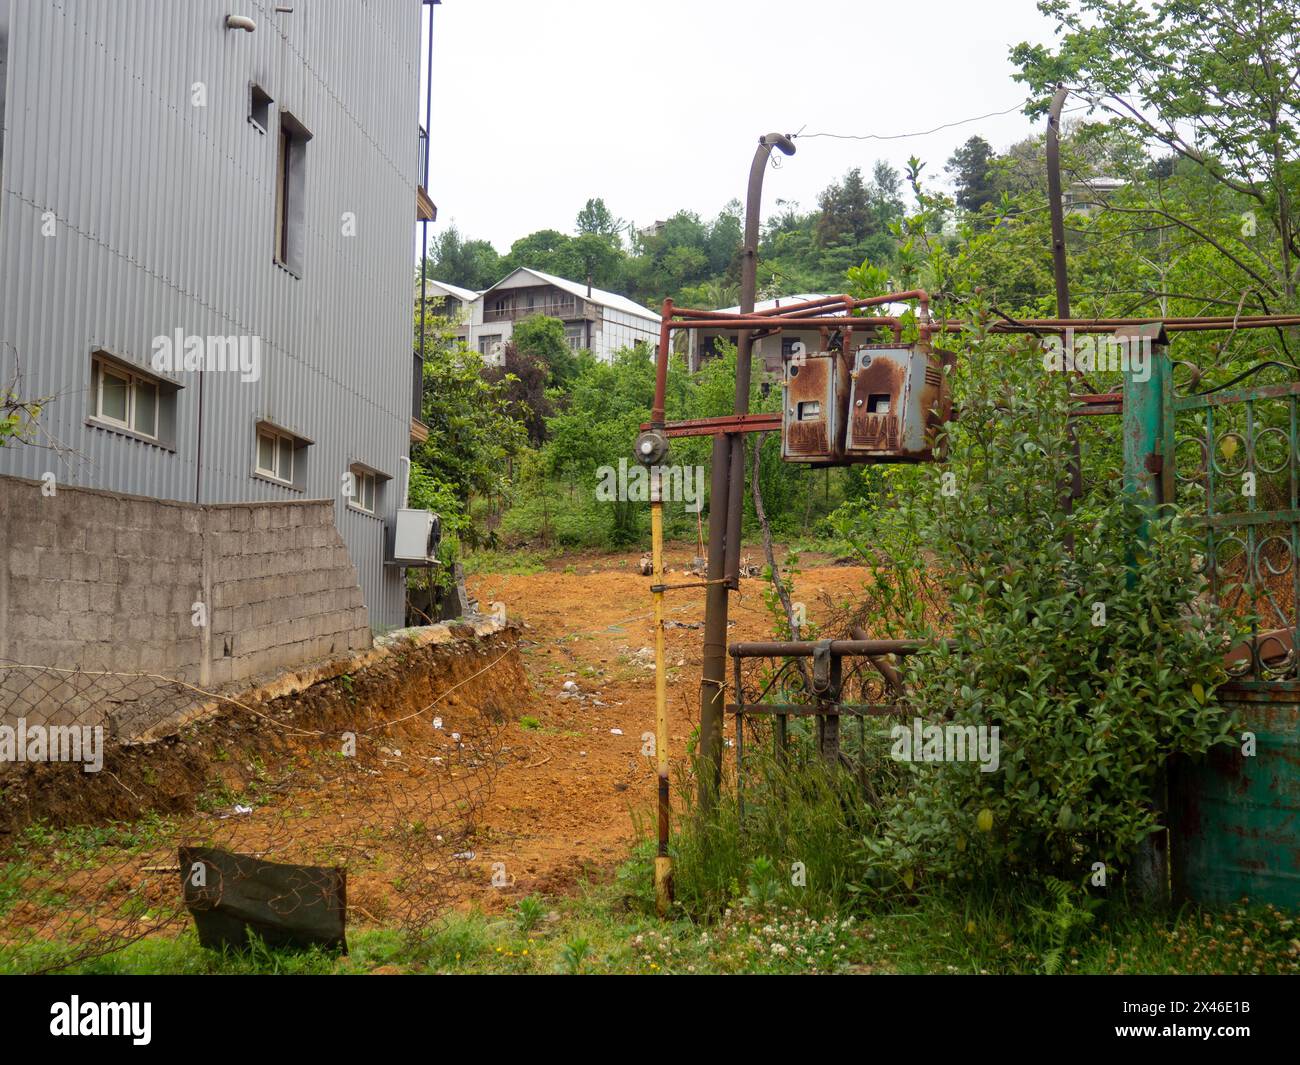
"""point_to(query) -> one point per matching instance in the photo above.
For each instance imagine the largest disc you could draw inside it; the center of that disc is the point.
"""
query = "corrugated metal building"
(166, 175)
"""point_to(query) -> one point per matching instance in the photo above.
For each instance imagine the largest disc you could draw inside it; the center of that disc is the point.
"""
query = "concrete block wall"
(94, 580)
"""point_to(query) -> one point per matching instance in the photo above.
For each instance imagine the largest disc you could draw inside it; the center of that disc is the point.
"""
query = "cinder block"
(140, 630)
(139, 513)
(74, 598)
(25, 562)
(103, 598)
(129, 543)
(157, 601)
(53, 565)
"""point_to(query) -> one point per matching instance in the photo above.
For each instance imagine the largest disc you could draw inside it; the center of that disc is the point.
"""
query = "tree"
(846, 215)
(472, 264)
(970, 167)
(472, 436)
(522, 377)
(548, 250)
(544, 338)
(595, 219)
(1215, 82)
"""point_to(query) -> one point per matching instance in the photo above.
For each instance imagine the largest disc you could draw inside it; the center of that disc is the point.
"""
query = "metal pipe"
(757, 321)
(729, 476)
(805, 648)
(745, 352)
(661, 366)
(712, 683)
(663, 862)
(424, 224)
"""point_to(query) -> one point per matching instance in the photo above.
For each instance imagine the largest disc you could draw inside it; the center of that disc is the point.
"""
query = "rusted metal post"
(712, 680)
(738, 680)
(651, 452)
(663, 863)
(745, 340)
(725, 521)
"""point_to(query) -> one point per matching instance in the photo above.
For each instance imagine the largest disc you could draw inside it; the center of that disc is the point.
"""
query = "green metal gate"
(1232, 457)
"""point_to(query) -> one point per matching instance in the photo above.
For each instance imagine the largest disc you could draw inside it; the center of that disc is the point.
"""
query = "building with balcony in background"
(594, 320)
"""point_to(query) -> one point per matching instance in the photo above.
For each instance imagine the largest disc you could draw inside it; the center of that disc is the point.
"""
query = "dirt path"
(576, 784)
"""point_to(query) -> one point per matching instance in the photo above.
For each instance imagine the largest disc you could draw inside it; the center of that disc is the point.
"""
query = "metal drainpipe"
(730, 516)
(424, 225)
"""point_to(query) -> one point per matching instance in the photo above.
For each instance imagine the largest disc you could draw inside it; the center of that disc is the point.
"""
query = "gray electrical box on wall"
(416, 535)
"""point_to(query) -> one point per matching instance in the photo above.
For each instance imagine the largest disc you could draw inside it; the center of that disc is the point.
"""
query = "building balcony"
(425, 209)
(566, 311)
(419, 431)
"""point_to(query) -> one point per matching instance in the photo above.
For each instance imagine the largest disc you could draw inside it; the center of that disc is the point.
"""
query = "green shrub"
(1095, 665)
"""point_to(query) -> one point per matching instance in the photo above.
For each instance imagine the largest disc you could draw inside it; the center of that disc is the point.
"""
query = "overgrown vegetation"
(608, 928)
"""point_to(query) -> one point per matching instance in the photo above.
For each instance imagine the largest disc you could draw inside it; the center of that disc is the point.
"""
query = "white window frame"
(360, 476)
(100, 367)
(282, 442)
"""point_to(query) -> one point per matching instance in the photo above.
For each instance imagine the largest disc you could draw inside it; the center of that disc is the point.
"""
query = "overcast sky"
(657, 107)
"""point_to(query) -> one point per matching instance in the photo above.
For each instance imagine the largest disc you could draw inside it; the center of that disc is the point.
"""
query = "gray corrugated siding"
(165, 216)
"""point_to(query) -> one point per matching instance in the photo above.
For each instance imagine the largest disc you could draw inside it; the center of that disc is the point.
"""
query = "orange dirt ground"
(567, 800)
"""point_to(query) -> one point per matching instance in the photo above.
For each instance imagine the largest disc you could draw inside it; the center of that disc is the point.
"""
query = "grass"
(608, 927)
(515, 563)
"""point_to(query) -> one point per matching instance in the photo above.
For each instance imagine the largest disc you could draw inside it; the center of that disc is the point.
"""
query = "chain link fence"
(104, 777)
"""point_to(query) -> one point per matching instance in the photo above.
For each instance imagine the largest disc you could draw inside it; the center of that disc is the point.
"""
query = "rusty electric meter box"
(899, 398)
(816, 404)
(875, 403)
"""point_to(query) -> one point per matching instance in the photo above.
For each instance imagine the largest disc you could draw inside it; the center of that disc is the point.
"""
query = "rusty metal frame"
(826, 686)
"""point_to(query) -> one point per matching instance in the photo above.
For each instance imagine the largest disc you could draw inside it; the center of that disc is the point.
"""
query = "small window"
(878, 404)
(490, 345)
(363, 483)
(291, 193)
(275, 455)
(259, 108)
(124, 399)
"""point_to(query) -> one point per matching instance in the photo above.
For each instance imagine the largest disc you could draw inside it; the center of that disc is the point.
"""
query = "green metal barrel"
(1234, 819)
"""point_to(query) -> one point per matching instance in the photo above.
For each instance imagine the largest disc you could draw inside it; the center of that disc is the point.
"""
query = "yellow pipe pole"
(663, 863)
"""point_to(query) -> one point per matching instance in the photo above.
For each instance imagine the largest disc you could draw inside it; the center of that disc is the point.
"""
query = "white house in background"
(448, 301)
(597, 321)
(705, 342)
(772, 349)
(1089, 195)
